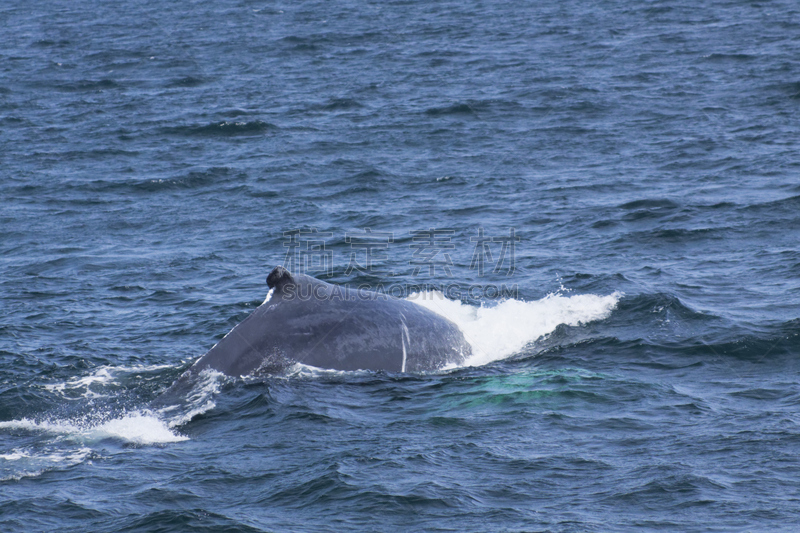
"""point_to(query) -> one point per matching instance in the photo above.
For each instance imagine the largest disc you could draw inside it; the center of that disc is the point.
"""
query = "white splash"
(503, 330)
(301, 371)
(199, 401)
(140, 427)
(269, 296)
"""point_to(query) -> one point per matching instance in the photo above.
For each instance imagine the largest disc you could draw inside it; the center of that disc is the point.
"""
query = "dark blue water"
(643, 376)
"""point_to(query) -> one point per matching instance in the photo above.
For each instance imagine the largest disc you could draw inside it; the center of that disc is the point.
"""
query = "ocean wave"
(29, 462)
(201, 520)
(223, 129)
(660, 303)
(790, 203)
(218, 176)
(199, 399)
(104, 381)
(80, 85)
(650, 203)
(187, 81)
(336, 104)
(455, 109)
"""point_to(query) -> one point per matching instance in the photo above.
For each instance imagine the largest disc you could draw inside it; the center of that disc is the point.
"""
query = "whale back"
(309, 321)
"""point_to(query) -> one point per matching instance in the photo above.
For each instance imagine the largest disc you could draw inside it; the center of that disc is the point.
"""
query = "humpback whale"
(309, 321)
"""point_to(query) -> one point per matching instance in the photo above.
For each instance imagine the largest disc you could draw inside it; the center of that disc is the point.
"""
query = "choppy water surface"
(642, 376)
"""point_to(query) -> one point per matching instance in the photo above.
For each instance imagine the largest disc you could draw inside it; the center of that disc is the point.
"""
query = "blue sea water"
(155, 158)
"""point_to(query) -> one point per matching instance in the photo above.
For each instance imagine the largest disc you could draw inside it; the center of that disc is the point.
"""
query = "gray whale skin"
(335, 327)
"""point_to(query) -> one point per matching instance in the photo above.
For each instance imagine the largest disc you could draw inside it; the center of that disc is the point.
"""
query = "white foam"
(302, 371)
(102, 377)
(27, 463)
(506, 328)
(138, 428)
(141, 427)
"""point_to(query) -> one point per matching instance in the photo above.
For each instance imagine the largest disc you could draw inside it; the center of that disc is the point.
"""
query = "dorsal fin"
(279, 277)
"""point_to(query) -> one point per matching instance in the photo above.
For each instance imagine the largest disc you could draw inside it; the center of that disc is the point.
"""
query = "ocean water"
(636, 350)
